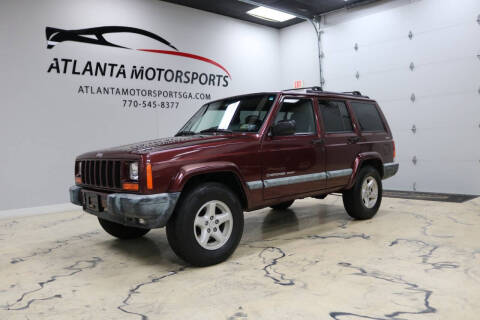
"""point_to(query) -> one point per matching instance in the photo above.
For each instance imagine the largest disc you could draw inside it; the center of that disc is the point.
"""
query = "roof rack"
(320, 89)
(353, 93)
(308, 89)
(356, 93)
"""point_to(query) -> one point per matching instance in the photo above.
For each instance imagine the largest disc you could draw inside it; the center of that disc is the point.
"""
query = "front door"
(295, 163)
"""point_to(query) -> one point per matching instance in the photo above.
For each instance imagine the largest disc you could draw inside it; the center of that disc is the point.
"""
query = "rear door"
(341, 138)
(375, 135)
(294, 164)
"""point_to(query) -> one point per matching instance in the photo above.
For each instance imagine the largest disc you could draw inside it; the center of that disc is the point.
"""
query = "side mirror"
(284, 128)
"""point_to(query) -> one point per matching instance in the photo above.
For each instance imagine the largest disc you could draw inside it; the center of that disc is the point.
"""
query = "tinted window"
(300, 110)
(367, 116)
(335, 116)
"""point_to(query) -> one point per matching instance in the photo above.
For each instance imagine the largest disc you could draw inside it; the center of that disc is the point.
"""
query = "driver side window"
(299, 110)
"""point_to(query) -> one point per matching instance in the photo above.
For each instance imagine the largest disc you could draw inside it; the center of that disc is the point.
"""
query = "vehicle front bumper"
(141, 211)
(390, 169)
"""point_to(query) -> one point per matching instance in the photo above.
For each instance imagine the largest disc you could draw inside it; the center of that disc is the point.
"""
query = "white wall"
(445, 81)
(299, 55)
(45, 123)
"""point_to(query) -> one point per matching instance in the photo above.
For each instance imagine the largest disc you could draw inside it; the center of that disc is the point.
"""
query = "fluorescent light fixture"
(270, 14)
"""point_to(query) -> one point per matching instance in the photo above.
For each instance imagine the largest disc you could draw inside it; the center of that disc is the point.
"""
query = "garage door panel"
(445, 177)
(431, 145)
(443, 79)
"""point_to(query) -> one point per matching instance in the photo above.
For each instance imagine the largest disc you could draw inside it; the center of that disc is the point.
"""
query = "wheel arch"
(373, 159)
(223, 172)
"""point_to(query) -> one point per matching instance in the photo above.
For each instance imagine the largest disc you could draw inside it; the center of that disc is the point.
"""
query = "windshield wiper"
(185, 133)
(216, 129)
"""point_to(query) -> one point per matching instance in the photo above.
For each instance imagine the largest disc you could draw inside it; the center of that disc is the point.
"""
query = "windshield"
(241, 114)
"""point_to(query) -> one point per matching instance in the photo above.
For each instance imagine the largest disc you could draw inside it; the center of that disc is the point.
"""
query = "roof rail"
(320, 89)
(354, 93)
(309, 89)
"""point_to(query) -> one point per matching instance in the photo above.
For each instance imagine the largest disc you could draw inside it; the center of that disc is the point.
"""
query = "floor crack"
(427, 308)
(427, 256)
(136, 288)
(270, 263)
(46, 226)
(59, 244)
(75, 268)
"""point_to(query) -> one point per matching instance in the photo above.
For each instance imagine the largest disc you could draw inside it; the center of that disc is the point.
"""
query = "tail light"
(394, 150)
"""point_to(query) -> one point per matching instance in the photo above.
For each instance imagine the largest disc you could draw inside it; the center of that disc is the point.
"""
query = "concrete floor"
(414, 260)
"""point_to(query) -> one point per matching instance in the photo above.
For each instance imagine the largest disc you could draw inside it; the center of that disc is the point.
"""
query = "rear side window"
(368, 117)
(335, 116)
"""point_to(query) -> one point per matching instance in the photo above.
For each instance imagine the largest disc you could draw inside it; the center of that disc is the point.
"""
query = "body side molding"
(319, 176)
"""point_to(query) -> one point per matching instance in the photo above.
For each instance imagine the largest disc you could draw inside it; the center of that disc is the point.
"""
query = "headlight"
(134, 171)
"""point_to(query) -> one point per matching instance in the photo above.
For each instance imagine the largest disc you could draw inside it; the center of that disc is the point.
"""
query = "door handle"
(317, 141)
(353, 139)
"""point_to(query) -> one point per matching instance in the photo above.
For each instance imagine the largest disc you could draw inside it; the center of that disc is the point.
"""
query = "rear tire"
(120, 231)
(283, 205)
(364, 198)
(207, 225)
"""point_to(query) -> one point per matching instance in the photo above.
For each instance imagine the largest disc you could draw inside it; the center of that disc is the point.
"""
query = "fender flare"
(357, 164)
(190, 170)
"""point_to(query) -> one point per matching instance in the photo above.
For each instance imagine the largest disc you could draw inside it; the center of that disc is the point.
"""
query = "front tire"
(207, 225)
(120, 231)
(364, 198)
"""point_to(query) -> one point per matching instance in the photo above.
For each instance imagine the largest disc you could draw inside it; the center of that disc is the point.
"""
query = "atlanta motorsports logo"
(95, 36)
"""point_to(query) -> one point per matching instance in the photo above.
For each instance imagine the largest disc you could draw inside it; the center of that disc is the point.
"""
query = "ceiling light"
(270, 14)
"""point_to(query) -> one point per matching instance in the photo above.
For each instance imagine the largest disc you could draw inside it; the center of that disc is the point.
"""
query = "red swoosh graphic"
(188, 55)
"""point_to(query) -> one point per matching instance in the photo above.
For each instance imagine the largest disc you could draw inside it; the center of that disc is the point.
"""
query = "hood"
(152, 146)
(166, 143)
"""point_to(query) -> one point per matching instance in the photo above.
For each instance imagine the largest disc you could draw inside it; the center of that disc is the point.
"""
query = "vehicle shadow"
(153, 248)
(320, 218)
(261, 225)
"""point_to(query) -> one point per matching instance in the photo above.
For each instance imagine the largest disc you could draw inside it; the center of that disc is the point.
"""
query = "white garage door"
(421, 61)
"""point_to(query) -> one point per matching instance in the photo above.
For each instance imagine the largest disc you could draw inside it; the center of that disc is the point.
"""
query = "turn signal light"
(149, 177)
(394, 150)
(78, 180)
(130, 186)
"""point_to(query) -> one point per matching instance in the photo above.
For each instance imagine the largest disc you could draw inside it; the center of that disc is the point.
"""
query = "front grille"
(102, 173)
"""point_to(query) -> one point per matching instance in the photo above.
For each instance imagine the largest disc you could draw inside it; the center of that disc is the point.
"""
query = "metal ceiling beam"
(347, 6)
(316, 21)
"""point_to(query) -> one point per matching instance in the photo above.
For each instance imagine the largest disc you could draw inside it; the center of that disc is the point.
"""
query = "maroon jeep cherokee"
(240, 154)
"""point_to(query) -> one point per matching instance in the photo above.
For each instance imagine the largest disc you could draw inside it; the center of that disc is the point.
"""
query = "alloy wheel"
(213, 225)
(369, 192)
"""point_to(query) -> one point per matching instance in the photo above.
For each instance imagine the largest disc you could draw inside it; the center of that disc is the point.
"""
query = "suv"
(240, 154)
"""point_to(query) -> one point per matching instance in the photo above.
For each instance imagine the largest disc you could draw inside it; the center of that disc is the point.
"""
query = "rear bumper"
(141, 211)
(390, 169)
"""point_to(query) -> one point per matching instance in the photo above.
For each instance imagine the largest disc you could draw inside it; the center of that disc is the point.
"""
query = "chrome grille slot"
(102, 173)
